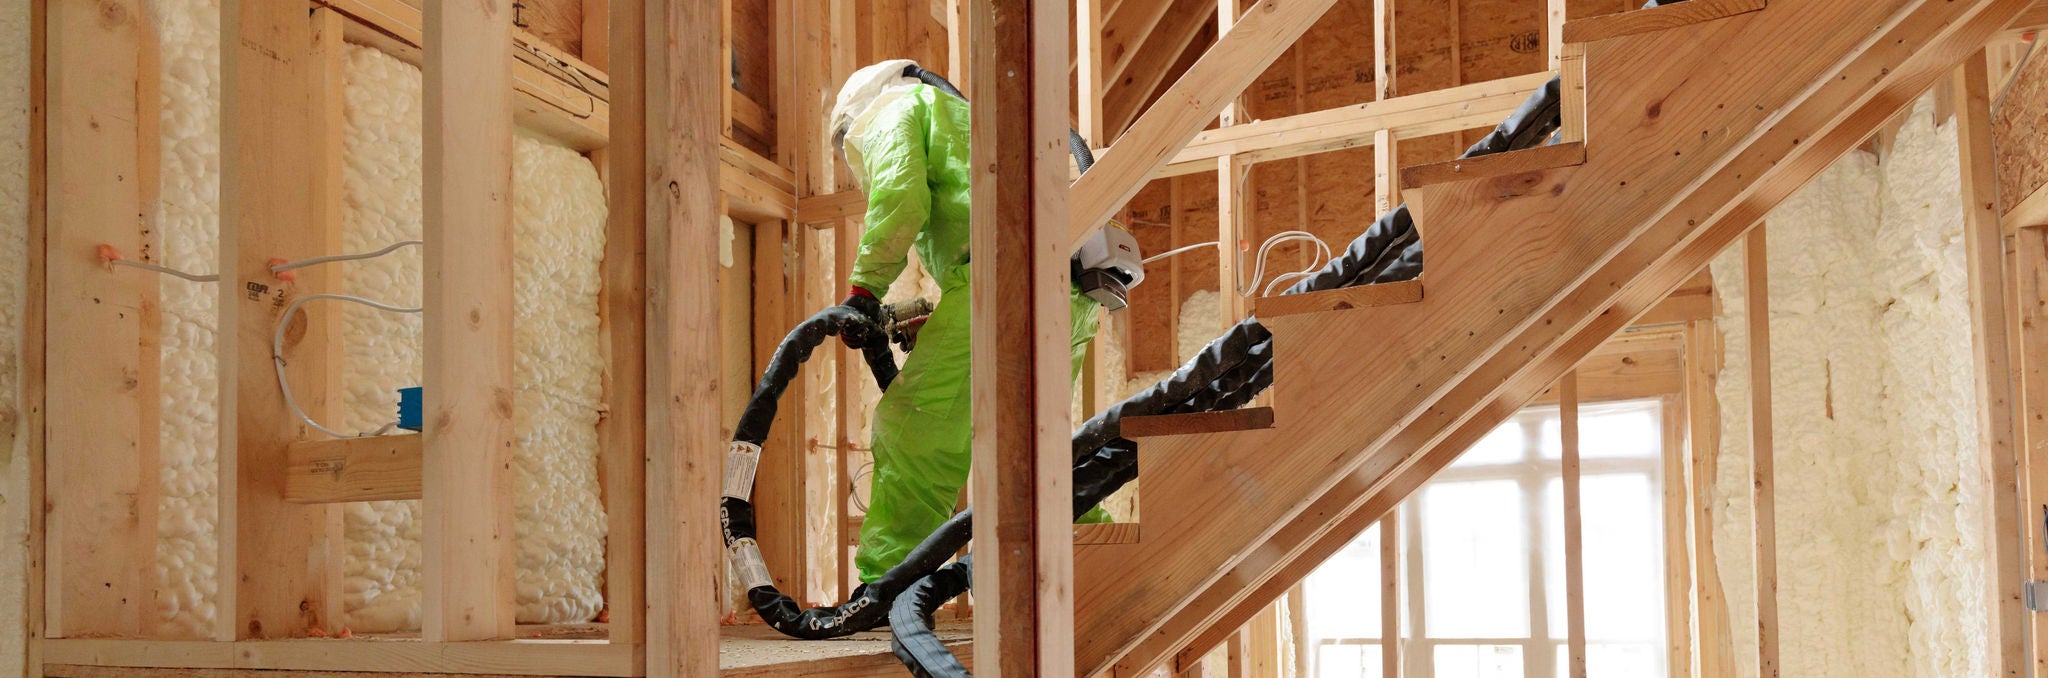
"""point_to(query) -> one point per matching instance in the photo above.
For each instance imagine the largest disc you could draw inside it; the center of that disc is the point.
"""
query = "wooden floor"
(755, 650)
(744, 651)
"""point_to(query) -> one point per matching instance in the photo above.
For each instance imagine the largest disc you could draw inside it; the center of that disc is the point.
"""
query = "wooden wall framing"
(671, 148)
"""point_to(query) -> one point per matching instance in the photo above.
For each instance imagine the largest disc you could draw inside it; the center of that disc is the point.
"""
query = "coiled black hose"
(868, 606)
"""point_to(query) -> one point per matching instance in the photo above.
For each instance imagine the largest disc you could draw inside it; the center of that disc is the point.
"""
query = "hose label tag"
(748, 565)
(741, 459)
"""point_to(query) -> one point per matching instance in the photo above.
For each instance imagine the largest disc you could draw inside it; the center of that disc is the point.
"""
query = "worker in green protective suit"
(906, 143)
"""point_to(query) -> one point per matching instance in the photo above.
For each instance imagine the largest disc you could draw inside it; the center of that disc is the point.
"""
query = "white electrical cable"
(194, 277)
(1266, 249)
(277, 356)
(1178, 250)
(302, 263)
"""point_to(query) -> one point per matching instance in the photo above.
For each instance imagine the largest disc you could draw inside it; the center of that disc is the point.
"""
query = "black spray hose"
(736, 511)
(868, 607)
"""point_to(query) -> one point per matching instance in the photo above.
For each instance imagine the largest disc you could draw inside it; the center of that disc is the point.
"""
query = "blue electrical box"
(409, 408)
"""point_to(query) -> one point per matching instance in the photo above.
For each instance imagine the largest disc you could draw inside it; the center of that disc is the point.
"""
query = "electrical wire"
(277, 356)
(302, 263)
(194, 277)
(1323, 256)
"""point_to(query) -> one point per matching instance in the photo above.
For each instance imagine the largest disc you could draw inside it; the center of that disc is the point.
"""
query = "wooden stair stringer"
(1848, 121)
(1488, 286)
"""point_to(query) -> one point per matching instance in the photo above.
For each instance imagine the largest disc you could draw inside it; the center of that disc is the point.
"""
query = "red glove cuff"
(859, 291)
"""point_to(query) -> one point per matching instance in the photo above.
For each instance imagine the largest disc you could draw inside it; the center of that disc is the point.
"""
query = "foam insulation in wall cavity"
(559, 216)
(1878, 490)
(188, 228)
(558, 240)
(14, 162)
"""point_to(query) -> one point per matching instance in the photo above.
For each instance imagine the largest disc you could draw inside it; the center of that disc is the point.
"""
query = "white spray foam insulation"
(560, 212)
(188, 229)
(1877, 485)
(14, 162)
(558, 229)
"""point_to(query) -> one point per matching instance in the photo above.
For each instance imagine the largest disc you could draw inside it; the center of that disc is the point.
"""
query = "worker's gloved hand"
(865, 303)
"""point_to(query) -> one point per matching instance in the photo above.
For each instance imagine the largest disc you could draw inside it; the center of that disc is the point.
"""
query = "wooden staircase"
(1698, 118)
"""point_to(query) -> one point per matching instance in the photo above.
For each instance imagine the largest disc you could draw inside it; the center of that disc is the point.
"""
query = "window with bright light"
(1483, 559)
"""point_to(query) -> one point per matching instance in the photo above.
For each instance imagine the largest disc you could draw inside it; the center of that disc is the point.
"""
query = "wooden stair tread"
(1497, 165)
(1655, 19)
(1362, 296)
(1247, 419)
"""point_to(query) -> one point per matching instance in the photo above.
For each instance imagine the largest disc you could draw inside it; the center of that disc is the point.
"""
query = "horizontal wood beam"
(1479, 104)
(1238, 57)
(512, 657)
(370, 468)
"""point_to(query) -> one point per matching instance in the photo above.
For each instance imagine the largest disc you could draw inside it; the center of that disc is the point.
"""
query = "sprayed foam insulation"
(1879, 497)
(558, 243)
(558, 225)
(188, 228)
(14, 163)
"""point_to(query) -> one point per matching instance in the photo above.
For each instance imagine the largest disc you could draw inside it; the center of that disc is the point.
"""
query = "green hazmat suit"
(911, 148)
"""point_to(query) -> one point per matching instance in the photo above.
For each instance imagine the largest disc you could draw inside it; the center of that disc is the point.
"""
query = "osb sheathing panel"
(556, 22)
(2016, 122)
(753, 45)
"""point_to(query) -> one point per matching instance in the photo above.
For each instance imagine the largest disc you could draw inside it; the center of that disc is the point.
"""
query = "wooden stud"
(1677, 507)
(1022, 385)
(1088, 87)
(1703, 446)
(2028, 283)
(1984, 241)
(1553, 34)
(1574, 528)
(328, 114)
(1392, 649)
(1231, 216)
(1237, 58)
(780, 483)
(597, 34)
(622, 433)
(467, 479)
(845, 388)
(35, 339)
(683, 357)
(1757, 294)
(100, 436)
(273, 554)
